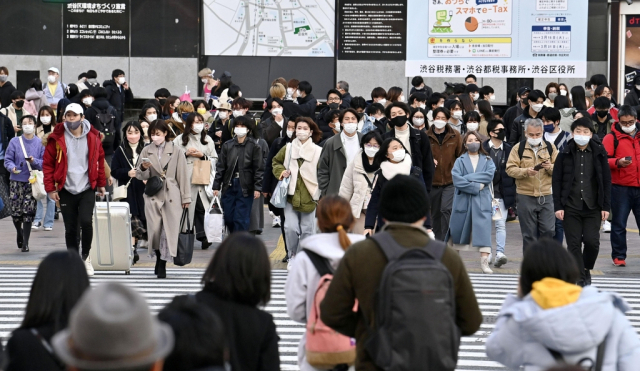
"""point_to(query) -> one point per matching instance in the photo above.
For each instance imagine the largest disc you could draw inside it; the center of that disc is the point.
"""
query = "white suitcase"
(111, 248)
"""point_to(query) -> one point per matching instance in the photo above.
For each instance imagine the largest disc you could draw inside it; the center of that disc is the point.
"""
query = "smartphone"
(144, 159)
(628, 158)
(17, 171)
(538, 167)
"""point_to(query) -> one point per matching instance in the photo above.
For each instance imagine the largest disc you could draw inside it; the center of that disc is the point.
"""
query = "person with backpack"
(531, 165)
(426, 328)
(552, 321)
(118, 92)
(309, 279)
(104, 117)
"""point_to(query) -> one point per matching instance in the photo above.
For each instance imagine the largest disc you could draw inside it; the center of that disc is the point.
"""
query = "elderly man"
(531, 165)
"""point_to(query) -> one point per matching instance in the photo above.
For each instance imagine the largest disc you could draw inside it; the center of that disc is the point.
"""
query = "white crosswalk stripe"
(15, 283)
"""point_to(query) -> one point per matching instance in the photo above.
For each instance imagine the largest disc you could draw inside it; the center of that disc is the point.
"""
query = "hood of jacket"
(328, 246)
(571, 324)
(109, 83)
(58, 131)
(100, 104)
(33, 94)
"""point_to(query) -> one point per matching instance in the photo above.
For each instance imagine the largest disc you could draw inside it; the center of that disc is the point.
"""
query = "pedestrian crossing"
(15, 283)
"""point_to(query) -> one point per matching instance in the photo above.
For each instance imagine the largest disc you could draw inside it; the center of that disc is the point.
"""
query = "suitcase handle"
(95, 220)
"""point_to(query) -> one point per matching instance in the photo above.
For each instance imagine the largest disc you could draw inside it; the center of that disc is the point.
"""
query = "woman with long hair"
(579, 99)
(335, 219)
(148, 114)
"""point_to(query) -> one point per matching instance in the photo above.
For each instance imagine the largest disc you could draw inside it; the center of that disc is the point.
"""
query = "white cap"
(53, 69)
(74, 107)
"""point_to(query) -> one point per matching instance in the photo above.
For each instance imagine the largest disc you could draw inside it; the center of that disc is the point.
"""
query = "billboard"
(497, 38)
(98, 28)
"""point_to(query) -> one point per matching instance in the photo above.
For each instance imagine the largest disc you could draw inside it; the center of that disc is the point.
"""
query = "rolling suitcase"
(111, 251)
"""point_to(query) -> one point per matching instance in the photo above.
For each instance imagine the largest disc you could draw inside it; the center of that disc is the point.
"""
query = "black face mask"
(399, 121)
(500, 134)
(334, 106)
(19, 103)
(162, 101)
(602, 114)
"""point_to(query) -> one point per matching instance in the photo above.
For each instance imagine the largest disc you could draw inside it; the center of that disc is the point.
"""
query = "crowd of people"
(353, 186)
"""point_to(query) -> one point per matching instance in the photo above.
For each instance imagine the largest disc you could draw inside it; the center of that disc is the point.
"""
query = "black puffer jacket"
(250, 166)
(91, 114)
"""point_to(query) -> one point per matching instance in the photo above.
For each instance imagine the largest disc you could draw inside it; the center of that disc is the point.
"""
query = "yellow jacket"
(538, 185)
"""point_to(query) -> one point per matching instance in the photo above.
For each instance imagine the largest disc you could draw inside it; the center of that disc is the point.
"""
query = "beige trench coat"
(354, 187)
(164, 209)
(209, 150)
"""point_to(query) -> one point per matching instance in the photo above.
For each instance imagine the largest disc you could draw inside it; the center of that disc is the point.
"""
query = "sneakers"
(484, 265)
(48, 229)
(606, 227)
(619, 262)
(36, 225)
(276, 222)
(290, 263)
(501, 259)
(88, 266)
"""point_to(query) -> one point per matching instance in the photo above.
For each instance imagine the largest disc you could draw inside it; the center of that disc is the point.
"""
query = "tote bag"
(36, 179)
(186, 240)
(214, 221)
(201, 172)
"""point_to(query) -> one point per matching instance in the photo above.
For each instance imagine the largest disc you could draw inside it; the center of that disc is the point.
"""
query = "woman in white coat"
(335, 218)
(198, 146)
(359, 178)
(163, 210)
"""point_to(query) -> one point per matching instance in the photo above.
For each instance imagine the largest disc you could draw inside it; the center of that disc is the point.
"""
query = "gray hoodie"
(524, 331)
(77, 160)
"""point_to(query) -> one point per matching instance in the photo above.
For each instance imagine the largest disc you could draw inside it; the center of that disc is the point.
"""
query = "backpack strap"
(521, 148)
(322, 264)
(600, 355)
(393, 250)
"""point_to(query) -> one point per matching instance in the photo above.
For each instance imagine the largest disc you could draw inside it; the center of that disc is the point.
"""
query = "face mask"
(336, 126)
(602, 114)
(628, 129)
(593, 87)
(92, 81)
(457, 114)
(549, 128)
(422, 105)
(87, 101)
(184, 116)
(382, 101)
(45, 120)
(241, 132)
(121, 80)
(73, 125)
(501, 134)
(472, 126)
(133, 138)
(237, 113)
(28, 129)
(204, 81)
(152, 117)
(162, 101)
(350, 128)
(222, 115)
(401, 98)
(302, 134)
(440, 105)
(289, 133)
(371, 151)
(276, 111)
(418, 122)
(297, 92)
(589, 93)
(473, 147)
(52, 79)
(3, 78)
(439, 124)
(289, 91)
(537, 107)
(475, 96)
(176, 117)
(552, 96)
(398, 155)
(202, 111)
(197, 128)
(492, 98)
(399, 121)
(582, 140)
(334, 106)
(534, 142)
(19, 103)
(563, 92)
(157, 139)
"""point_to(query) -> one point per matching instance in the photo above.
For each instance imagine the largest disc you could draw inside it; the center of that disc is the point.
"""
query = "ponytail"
(335, 215)
(345, 242)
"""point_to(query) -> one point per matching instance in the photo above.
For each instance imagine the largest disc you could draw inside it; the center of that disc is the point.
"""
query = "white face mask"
(87, 101)
(537, 107)
(197, 128)
(28, 129)
(371, 151)
(152, 117)
(289, 91)
(204, 81)
(350, 128)
(289, 133)
(492, 98)
(422, 105)
(302, 134)
(457, 114)
(582, 140)
(401, 98)
(276, 111)
(439, 124)
(45, 120)
(628, 129)
(418, 122)
(176, 117)
(476, 96)
(237, 113)
(241, 132)
(121, 80)
(440, 105)
(297, 92)
(336, 127)
(222, 115)
(398, 155)
(534, 142)
(593, 87)
(472, 126)
(382, 101)
(52, 79)
(563, 92)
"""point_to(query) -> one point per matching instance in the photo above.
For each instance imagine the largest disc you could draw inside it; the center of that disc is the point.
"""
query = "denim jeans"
(237, 207)
(501, 229)
(559, 236)
(48, 216)
(623, 201)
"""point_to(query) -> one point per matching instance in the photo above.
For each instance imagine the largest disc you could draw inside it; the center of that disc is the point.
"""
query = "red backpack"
(325, 347)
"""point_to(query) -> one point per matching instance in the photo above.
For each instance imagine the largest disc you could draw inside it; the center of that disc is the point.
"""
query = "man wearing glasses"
(624, 162)
(334, 100)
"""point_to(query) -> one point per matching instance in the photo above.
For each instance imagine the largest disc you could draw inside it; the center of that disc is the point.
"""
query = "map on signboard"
(273, 28)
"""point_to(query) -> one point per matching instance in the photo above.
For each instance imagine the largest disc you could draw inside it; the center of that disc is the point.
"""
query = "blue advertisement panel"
(497, 38)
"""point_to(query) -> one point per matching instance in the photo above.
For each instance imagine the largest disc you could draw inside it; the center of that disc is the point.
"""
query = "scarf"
(310, 154)
(369, 168)
(389, 169)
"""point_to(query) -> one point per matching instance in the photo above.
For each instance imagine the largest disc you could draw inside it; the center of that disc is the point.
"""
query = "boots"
(161, 266)
(484, 265)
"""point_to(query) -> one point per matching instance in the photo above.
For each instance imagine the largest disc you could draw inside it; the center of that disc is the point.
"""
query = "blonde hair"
(205, 72)
(185, 107)
(277, 90)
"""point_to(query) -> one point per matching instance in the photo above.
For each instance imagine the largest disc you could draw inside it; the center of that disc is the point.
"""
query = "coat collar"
(466, 161)
(160, 163)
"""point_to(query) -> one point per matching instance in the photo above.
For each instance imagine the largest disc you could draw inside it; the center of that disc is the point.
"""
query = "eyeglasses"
(371, 146)
(627, 123)
(333, 100)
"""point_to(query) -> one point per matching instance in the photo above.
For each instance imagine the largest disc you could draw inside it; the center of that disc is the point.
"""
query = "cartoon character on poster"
(443, 24)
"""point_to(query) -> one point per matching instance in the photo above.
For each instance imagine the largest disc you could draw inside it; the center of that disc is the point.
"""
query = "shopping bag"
(36, 178)
(201, 172)
(186, 240)
(279, 197)
(214, 221)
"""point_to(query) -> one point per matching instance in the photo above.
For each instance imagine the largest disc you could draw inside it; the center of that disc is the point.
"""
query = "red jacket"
(54, 164)
(627, 147)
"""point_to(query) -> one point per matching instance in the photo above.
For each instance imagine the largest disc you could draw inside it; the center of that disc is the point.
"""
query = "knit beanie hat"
(404, 199)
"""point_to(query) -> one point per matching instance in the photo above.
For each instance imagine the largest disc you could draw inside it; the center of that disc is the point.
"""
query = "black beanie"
(404, 199)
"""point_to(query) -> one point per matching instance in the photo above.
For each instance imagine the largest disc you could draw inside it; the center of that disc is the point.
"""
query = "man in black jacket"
(101, 106)
(582, 194)
(418, 86)
(6, 87)
(118, 92)
(239, 175)
(334, 101)
(6, 133)
(515, 111)
(419, 146)
(535, 101)
(343, 88)
(306, 101)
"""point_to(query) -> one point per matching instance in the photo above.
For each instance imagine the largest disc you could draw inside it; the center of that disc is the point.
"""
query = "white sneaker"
(484, 265)
(606, 227)
(276, 222)
(501, 259)
(290, 263)
(89, 267)
(48, 229)
(36, 225)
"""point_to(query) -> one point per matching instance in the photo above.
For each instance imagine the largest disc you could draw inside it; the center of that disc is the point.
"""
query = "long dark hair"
(578, 98)
(240, 271)
(51, 113)
(58, 285)
(125, 143)
(381, 156)
(478, 137)
(485, 109)
(546, 258)
(187, 129)
(166, 109)
(162, 126)
(143, 113)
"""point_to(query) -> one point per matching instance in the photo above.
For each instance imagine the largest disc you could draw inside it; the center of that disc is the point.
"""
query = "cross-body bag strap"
(48, 348)
(24, 151)
(132, 167)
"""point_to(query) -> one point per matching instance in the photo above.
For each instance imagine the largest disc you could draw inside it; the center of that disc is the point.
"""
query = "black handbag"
(155, 183)
(186, 240)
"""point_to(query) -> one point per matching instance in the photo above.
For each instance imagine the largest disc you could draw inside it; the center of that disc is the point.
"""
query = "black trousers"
(77, 213)
(583, 227)
(198, 221)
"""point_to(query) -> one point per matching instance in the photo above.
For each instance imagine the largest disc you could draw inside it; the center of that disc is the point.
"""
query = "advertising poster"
(631, 50)
(497, 38)
(98, 28)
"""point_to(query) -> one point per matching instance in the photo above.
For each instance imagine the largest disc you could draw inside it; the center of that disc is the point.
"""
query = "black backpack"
(415, 325)
(106, 124)
(524, 142)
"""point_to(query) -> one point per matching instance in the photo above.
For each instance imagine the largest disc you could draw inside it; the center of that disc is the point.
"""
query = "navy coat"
(471, 211)
(135, 192)
(507, 183)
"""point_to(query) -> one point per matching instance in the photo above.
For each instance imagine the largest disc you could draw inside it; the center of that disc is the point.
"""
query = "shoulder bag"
(496, 213)
(155, 183)
(120, 193)
(279, 197)
(36, 177)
